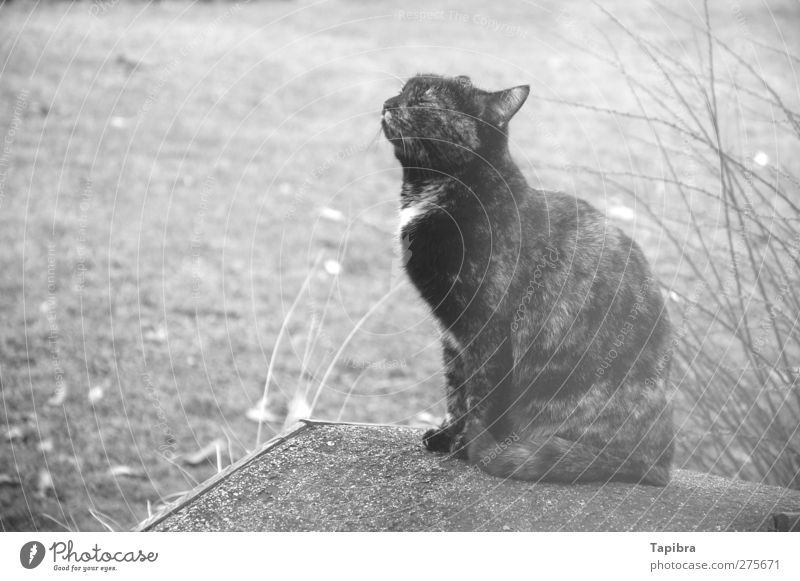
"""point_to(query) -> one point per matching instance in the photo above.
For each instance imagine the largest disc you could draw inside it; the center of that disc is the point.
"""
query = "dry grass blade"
(347, 340)
(278, 339)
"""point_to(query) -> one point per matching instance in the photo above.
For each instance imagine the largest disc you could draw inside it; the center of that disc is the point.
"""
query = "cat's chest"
(415, 212)
(443, 248)
(419, 201)
(432, 236)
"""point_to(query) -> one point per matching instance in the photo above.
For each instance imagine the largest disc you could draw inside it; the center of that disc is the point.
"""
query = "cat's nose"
(392, 103)
(389, 105)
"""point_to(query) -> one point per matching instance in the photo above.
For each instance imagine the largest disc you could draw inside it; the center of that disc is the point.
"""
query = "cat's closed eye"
(429, 96)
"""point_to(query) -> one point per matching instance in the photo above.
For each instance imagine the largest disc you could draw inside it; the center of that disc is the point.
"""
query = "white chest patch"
(426, 198)
(411, 213)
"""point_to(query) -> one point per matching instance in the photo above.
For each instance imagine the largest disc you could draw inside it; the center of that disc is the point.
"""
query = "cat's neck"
(498, 173)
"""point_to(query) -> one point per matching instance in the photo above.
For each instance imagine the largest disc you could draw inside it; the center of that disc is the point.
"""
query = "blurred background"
(198, 214)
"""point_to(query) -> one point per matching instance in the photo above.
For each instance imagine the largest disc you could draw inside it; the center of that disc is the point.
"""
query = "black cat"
(556, 339)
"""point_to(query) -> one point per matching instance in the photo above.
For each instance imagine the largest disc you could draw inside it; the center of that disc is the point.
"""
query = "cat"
(555, 336)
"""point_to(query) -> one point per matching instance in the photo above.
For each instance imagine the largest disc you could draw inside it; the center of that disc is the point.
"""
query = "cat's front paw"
(437, 440)
(446, 441)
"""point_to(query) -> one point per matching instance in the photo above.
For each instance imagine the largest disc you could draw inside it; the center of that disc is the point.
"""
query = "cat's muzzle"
(389, 114)
(388, 121)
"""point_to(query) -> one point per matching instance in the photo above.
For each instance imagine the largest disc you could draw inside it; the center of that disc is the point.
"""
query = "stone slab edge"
(208, 484)
(297, 428)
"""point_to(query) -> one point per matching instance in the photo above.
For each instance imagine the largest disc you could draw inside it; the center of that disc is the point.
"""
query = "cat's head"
(444, 122)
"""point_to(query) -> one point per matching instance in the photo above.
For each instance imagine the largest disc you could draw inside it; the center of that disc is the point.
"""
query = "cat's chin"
(402, 149)
(388, 131)
(394, 139)
(399, 150)
(392, 133)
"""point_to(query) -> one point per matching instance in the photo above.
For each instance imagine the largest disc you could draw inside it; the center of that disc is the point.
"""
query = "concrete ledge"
(344, 477)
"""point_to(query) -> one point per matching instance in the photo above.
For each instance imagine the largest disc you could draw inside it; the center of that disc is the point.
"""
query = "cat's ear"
(500, 107)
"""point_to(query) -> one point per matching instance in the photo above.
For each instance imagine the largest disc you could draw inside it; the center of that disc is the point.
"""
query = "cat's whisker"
(374, 140)
(397, 78)
(403, 141)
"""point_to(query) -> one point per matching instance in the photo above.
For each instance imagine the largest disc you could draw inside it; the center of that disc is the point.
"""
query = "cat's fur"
(555, 335)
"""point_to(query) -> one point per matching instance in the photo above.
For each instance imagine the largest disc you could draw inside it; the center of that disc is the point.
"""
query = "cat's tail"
(556, 459)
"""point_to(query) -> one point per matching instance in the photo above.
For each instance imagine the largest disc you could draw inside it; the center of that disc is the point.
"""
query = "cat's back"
(583, 233)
